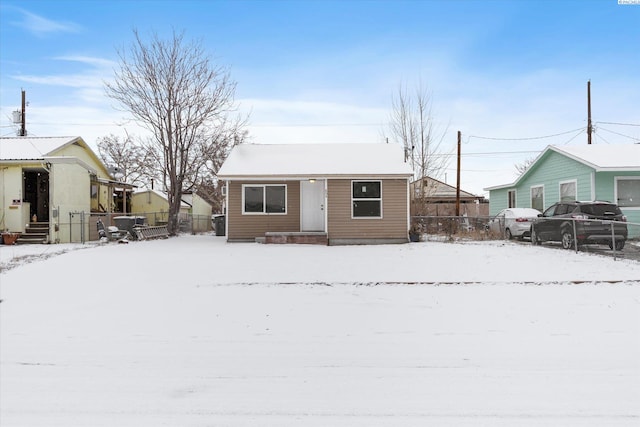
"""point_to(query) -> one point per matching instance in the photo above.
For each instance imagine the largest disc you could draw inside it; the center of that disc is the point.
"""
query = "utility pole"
(458, 184)
(23, 120)
(589, 127)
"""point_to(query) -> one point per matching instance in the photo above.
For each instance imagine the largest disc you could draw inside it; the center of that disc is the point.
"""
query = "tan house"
(50, 186)
(431, 197)
(317, 193)
(195, 212)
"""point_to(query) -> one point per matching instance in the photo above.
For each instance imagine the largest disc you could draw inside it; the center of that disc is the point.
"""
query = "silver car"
(513, 222)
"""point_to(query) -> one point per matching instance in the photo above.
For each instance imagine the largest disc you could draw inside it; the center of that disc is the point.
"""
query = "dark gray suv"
(593, 222)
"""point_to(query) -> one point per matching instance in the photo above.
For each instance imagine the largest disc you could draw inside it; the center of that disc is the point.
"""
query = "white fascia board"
(52, 160)
(306, 177)
(499, 187)
(70, 161)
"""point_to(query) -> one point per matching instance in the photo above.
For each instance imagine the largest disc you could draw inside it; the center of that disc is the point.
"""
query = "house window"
(366, 199)
(537, 197)
(568, 191)
(511, 195)
(264, 199)
(628, 192)
(94, 186)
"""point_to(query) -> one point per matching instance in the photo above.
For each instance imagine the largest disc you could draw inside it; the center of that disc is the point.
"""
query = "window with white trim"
(628, 192)
(537, 197)
(568, 191)
(264, 199)
(366, 199)
(511, 195)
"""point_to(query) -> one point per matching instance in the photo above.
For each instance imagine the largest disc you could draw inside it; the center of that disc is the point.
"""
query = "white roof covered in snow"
(315, 160)
(27, 148)
(604, 157)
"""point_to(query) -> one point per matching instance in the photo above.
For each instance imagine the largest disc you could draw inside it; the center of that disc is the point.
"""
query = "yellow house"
(53, 184)
(195, 212)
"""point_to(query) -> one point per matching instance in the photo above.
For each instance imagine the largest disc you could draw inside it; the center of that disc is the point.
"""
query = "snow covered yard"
(192, 331)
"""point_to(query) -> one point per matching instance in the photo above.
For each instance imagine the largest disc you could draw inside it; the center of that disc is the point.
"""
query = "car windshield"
(600, 209)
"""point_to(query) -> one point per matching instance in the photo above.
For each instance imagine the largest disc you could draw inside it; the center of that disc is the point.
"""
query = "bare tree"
(524, 166)
(208, 186)
(412, 124)
(176, 92)
(129, 159)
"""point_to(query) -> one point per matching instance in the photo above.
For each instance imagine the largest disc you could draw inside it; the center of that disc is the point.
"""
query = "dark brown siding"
(251, 226)
(392, 225)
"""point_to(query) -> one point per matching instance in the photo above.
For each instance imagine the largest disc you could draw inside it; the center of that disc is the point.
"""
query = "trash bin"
(219, 225)
(130, 223)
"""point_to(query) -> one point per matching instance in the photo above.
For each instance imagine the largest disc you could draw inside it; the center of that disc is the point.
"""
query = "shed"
(432, 197)
(195, 212)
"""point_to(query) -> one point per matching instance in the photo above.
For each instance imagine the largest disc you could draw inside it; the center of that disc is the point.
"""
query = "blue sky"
(325, 71)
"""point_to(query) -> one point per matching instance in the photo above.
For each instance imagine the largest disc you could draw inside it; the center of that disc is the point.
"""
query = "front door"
(36, 192)
(312, 205)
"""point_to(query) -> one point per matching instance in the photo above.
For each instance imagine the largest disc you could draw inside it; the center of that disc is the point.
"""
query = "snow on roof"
(296, 160)
(604, 157)
(187, 198)
(27, 148)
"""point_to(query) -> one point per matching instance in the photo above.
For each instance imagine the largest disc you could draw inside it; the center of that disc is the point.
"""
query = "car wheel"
(619, 245)
(508, 234)
(567, 239)
(534, 237)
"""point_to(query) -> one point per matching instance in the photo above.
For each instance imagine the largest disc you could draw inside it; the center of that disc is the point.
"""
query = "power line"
(620, 134)
(602, 138)
(72, 124)
(315, 125)
(528, 138)
(619, 124)
(486, 153)
(574, 136)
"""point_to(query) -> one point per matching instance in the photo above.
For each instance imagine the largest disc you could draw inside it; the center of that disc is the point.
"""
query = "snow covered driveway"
(195, 332)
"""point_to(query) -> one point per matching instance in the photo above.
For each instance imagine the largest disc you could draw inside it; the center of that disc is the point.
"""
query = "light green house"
(586, 172)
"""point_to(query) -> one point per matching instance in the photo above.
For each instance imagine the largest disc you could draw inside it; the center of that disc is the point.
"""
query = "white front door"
(312, 205)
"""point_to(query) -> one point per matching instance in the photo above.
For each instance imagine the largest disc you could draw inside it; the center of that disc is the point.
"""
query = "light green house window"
(568, 191)
(511, 195)
(628, 192)
(537, 197)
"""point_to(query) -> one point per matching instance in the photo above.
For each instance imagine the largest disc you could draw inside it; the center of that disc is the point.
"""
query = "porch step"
(35, 233)
(306, 238)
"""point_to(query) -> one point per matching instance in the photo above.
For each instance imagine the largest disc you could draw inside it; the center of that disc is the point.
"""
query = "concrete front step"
(307, 238)
(35, 233)
(27, 239)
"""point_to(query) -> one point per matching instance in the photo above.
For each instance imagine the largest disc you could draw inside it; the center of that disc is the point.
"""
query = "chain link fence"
(611, 237)
(451, 228)
(82, 227)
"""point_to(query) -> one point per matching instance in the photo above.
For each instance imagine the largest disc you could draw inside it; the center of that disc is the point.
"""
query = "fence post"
(575, 234)
(613, 241)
